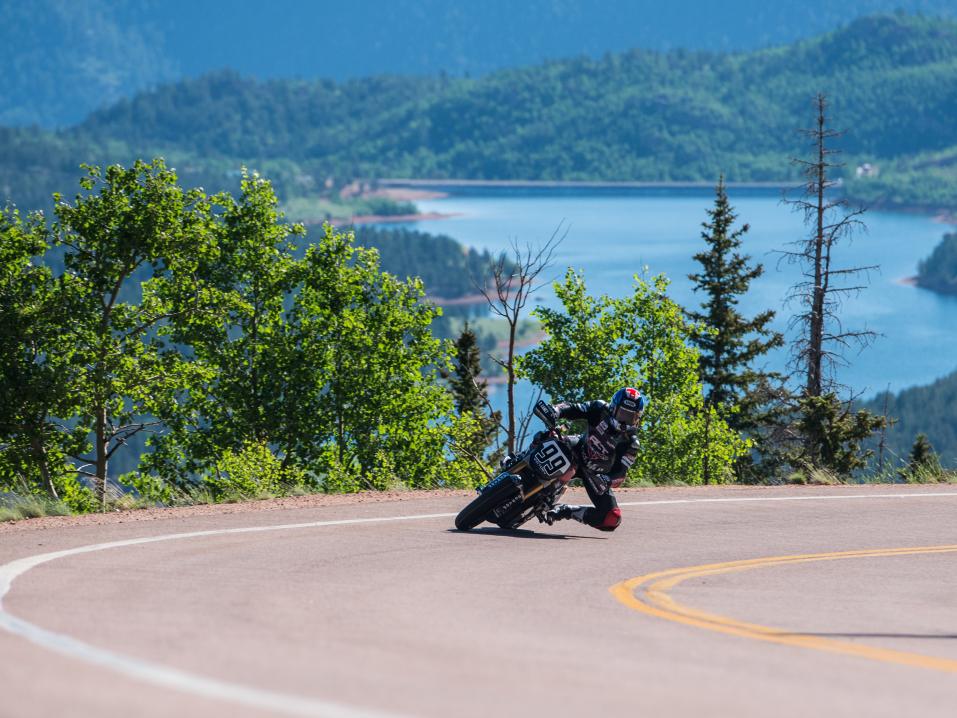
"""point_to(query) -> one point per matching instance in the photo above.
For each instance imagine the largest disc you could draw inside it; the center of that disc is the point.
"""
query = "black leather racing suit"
(605, 451)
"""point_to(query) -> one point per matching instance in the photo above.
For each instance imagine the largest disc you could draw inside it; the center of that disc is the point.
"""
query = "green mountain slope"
(639, 115)
(923, 409)
(59, 59)
(939, 270)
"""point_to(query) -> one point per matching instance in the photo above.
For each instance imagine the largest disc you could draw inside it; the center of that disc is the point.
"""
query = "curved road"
(839, 601)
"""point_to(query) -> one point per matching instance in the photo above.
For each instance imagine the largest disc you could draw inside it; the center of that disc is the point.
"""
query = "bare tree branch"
(514, 278)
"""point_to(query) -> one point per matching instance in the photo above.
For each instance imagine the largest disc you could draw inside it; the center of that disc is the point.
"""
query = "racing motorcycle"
(530, 483)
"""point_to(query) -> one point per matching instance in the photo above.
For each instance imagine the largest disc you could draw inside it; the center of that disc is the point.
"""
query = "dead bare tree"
(515, 276)
(829, 432)
(823, 340)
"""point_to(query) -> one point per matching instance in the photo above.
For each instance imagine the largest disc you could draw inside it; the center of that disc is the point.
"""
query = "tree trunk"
(40, 454)
(816, 339)
(510, 369)
(101, 456)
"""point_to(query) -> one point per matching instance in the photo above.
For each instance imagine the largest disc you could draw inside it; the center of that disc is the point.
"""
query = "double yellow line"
(649, 594)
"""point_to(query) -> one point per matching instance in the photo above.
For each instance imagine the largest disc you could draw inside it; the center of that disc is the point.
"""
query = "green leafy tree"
(596, 345)
(326, 361)
(365, 336)
(246, 381)
(35, 310)
(130, 241)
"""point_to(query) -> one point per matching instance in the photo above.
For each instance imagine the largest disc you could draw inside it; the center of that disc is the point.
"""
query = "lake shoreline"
(380, 219)
(406, 189)
(438, 184)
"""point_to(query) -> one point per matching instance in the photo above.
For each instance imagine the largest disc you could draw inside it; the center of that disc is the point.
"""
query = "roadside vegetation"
(256, 360)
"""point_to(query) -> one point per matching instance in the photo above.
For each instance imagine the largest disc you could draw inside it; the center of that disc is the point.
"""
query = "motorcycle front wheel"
(482, 505)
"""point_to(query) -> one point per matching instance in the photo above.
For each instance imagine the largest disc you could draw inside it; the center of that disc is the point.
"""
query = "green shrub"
(252, 472)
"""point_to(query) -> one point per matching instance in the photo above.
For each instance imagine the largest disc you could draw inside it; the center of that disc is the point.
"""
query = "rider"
(605, 451)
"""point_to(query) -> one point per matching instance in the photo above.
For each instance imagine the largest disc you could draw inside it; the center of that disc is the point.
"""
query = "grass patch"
(17, 508)
(812, 476)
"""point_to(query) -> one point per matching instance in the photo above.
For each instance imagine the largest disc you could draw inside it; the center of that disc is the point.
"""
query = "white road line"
(788, 498)
(166, 677)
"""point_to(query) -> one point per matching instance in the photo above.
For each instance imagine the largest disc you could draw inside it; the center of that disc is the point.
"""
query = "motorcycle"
(530, 483)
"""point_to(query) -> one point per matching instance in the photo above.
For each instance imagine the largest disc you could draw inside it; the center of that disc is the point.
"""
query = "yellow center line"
(649, 594)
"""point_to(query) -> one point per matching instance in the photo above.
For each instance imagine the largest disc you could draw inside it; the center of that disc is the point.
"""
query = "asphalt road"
(837, 601)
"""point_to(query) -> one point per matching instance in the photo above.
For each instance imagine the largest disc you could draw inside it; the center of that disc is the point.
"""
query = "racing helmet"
(627, 406)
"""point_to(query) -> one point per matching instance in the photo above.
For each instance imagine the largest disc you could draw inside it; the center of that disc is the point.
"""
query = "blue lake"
(615, 234)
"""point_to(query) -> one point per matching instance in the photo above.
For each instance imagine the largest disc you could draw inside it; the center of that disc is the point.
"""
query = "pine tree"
(836, 432)
(470, 393)
(923, 463)
(729, 342)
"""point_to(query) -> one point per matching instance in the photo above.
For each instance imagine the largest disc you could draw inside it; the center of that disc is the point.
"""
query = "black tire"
(480, 507)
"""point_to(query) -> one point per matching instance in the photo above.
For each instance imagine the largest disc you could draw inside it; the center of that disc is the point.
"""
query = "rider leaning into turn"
(606, 450)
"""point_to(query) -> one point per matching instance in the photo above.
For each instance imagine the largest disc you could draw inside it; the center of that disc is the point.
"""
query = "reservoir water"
(614, 234)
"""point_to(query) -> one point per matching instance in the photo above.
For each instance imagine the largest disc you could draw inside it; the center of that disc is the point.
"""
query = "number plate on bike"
(551, 461)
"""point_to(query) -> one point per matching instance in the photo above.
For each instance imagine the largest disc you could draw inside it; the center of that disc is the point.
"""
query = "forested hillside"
(639, 115)
(61, 59)
(636, 115)
(939, 270)
(922, 409)
(447, 269)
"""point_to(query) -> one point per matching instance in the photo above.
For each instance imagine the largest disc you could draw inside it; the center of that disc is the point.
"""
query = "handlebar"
(546, 413)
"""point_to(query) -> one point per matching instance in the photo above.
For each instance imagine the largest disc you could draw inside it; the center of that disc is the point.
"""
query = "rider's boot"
(564, 511)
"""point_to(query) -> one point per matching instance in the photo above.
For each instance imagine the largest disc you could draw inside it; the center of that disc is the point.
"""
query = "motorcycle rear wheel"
(480, 507)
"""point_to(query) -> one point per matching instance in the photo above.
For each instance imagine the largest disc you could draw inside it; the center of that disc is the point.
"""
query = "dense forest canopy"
(939, 270)
(638, 115)
(921, 409)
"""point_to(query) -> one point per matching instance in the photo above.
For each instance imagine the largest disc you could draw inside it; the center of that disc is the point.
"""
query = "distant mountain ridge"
(638, 115)
(61, 59)
(892, 79)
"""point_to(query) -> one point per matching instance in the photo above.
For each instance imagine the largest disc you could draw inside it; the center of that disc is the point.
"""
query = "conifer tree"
(824, 285)
(470, 393)
(728, 341)
(468, 390)
(823, 338)
(923, 462)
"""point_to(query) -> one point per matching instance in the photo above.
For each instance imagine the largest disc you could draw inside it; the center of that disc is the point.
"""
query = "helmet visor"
(627, 415)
